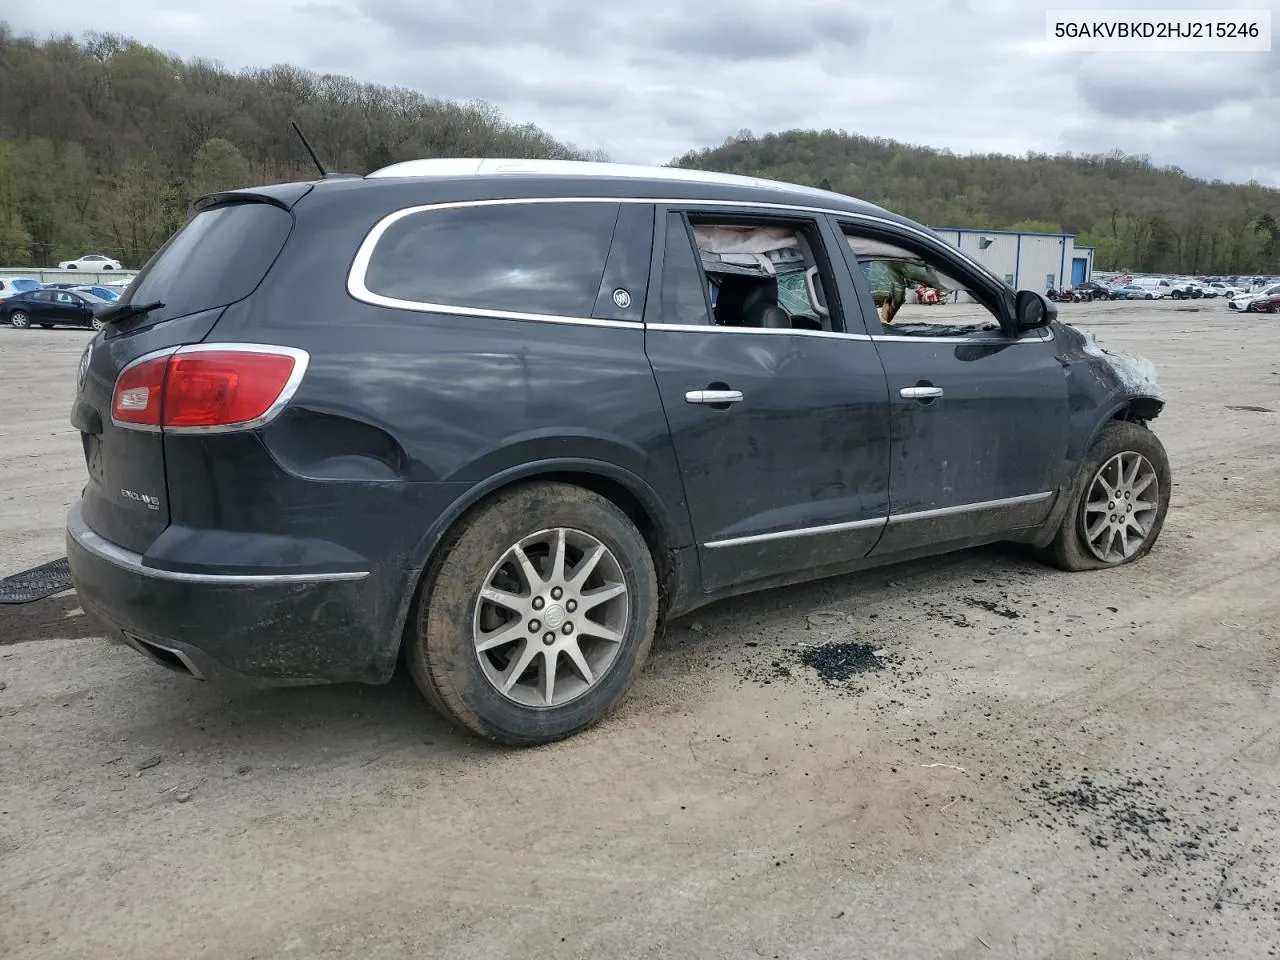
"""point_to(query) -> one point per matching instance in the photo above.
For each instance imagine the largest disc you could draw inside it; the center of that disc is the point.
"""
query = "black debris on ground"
(939, 611)
(1190, 836)
(993, 606)
(834, 665)
(838, 662)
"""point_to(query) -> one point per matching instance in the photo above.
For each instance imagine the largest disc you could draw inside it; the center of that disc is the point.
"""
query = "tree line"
(104, 141)
(1138, 216)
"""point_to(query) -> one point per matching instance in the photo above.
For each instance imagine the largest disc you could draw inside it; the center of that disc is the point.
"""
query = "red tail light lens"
(223, 388)
(198, 388)
(139, 392)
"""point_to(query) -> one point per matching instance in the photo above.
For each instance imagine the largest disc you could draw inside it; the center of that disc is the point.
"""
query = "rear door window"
(545, 259)
(219, 257)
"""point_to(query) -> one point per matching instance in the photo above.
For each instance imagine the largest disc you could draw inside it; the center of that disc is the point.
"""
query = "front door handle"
(920, 393)
(713, 396)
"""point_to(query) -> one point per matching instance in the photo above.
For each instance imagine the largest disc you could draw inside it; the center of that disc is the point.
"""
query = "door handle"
(920, 393)
(713, 396)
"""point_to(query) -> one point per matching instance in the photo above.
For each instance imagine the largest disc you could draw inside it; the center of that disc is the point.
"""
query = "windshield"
(219, 257)
(25, 285)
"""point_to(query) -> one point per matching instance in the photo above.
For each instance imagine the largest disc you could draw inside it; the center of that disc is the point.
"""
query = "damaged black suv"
(502, 418)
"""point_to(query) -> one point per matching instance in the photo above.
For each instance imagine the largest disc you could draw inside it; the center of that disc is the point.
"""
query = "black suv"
(502, 418)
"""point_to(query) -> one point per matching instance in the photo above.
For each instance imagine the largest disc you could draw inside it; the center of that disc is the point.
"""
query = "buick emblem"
(83, 369)
(622, 298)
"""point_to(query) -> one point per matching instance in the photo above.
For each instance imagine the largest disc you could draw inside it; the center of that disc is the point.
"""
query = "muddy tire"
(537, 617)
(1118, 501)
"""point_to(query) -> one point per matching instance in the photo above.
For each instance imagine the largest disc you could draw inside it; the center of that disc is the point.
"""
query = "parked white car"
(11, 285)
(1244, 299)
(1159, 287)
(1221, 289)
(90, 261)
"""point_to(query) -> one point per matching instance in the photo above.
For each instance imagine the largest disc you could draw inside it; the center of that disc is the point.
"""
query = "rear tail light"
(207, 387)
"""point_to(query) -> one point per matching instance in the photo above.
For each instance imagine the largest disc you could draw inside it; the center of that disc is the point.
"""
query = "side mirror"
(1033, 310)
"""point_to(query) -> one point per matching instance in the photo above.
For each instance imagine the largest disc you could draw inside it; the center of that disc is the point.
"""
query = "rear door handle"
(920, 393)
(713, 396)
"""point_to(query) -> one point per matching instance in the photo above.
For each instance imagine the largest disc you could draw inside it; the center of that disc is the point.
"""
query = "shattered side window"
(913, 296)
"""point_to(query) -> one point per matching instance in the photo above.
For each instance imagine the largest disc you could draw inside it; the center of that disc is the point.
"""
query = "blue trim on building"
(1009, 233)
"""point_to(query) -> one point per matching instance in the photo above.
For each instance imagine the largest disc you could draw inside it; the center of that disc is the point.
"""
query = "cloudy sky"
(646, 81)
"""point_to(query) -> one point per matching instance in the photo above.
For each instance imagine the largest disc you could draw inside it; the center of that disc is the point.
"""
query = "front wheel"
(96, 323)
(1119, 501)
(19, 320)
(537, 617)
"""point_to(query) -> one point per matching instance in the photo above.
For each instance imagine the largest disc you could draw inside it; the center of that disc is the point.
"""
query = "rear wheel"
(20, 320)
(96, 323)
(537, 618)
(1118, 501)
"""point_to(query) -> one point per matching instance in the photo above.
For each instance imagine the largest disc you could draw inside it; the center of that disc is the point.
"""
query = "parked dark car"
(1264, 304)
(52, 307)
(1096, 290)
(501, 419)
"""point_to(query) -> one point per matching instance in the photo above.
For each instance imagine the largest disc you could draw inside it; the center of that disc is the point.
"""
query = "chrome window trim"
(890, 518)
(360, 264)
(133, 562)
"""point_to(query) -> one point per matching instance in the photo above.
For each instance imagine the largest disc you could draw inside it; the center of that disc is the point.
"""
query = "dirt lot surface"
(1036, 765)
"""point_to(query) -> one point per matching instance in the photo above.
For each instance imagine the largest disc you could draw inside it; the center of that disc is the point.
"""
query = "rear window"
(219, 257)
(541, 258)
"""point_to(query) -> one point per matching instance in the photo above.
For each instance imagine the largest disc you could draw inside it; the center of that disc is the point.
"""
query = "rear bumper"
(259, 629)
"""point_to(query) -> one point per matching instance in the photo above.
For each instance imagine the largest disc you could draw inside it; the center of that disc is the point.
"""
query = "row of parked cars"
(1249, 294)
(26, 302)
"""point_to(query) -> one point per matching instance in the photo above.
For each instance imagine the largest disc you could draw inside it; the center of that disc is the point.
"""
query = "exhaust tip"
(165, 656)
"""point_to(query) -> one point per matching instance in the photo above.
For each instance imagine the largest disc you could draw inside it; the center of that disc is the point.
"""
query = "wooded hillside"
(1139, 216)
(104, 141)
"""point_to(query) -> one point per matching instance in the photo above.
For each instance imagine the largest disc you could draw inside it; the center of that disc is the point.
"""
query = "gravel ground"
(968, 757)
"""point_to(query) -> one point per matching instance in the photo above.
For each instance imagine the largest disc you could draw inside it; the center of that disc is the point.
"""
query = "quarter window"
(536, 258)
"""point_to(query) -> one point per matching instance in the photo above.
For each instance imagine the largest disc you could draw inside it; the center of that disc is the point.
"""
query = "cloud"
(648, 82)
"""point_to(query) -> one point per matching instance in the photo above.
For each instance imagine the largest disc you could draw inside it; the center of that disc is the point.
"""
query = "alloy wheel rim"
(1120, 507)
(550, 617)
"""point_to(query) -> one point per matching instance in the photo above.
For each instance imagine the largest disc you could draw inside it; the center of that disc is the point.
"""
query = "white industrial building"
(1026, 260)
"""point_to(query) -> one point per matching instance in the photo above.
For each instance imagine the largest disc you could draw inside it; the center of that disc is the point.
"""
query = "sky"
(647, 81)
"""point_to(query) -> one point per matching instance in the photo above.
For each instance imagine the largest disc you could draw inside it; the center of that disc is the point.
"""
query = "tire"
(449, 617)
(19, 320)
(1070, 548)
(96, 324)
(1177, 294)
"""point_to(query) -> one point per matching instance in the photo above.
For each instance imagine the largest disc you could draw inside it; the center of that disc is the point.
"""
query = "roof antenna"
(314, 158)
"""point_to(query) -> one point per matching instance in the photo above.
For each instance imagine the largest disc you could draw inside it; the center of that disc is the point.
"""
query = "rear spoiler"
(282, 195)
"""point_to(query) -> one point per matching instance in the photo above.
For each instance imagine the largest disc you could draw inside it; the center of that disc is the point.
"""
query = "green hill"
(1138, 215)
(103, 142)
